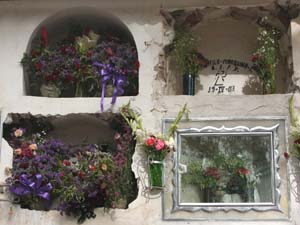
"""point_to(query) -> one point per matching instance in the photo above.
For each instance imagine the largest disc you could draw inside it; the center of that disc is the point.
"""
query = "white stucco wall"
(17, 22)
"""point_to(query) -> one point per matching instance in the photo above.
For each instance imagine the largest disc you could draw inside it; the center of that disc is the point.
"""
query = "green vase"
(155, 174)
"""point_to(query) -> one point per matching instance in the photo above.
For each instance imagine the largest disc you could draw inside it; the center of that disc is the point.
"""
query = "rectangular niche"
(228, 170)
(73, 163)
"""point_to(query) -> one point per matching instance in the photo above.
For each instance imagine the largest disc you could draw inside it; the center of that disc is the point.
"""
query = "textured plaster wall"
(17, 22)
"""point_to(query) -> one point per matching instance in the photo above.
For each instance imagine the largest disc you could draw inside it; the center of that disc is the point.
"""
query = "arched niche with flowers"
(73, 163)
(81, 52)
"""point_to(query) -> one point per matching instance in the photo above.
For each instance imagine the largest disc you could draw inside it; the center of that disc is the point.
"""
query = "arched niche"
(76, 22)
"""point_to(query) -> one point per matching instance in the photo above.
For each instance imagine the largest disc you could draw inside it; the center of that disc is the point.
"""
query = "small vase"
(155, 174)
(50, 90)
(189, 84)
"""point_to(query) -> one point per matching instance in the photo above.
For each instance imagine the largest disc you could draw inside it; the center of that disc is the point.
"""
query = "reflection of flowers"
(243, 171)
(213, 172)
(223, 172)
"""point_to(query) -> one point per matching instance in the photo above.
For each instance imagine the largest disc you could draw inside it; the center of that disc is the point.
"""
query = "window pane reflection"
(226, 168)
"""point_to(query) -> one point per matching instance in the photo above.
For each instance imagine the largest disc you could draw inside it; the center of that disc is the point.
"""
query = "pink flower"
(18, 133)
(33, 147)
(117, 136)
(160, 144)
(150, 141)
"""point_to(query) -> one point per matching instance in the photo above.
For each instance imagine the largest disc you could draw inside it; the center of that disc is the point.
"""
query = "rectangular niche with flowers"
(72, 163)
(233, 167)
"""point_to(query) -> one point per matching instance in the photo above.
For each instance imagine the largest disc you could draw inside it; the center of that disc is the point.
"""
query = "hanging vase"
(155, 174)
(189, 84)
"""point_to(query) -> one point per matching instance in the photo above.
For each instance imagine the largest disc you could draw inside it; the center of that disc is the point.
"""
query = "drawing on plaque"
(221, 68)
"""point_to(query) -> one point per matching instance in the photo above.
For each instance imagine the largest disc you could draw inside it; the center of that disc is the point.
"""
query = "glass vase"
(155, 173)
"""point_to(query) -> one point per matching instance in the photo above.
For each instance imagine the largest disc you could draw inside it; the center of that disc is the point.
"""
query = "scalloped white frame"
(174, 210)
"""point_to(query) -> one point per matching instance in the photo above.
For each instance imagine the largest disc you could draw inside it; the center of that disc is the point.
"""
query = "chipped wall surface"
(18, 19)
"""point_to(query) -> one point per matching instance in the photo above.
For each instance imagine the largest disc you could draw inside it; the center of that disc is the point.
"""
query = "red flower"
(62, 174)
(286, 155)
(109, 51)
(66, 162)
(77, 65)
(243, 171)
(34, 53)
(38, 66)
(44, 37)
(213, 172)
(150, 141)
(82, 174)
(254, 58)
(92, 167)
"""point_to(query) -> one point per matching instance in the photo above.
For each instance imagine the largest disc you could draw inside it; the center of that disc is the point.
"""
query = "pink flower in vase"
(160, 144)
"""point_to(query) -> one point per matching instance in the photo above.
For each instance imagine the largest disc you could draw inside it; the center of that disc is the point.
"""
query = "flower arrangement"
(74, 179)
(84, 64)
(266, 57)
(156, 147)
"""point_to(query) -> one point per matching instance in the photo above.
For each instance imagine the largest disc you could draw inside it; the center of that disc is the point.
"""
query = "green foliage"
(185, 52)
(266, 57)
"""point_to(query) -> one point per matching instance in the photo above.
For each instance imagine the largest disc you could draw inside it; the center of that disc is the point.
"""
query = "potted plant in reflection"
(188, 59)
(224, 178)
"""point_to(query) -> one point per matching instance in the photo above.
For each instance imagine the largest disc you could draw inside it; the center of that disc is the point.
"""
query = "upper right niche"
(229, 51)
